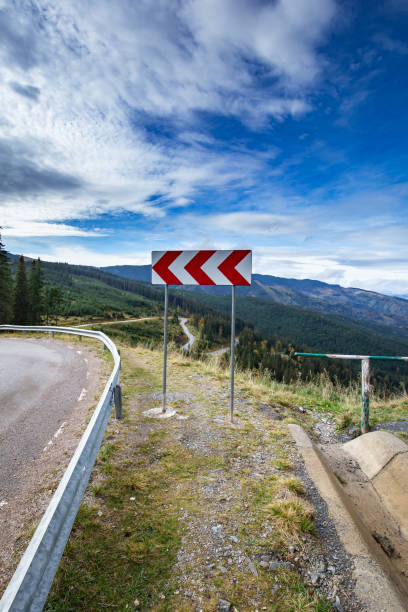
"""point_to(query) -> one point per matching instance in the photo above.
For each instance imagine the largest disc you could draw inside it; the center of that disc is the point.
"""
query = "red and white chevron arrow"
(201, 267)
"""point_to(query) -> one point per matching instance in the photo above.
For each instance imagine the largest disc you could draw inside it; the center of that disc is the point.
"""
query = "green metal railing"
(365, 379)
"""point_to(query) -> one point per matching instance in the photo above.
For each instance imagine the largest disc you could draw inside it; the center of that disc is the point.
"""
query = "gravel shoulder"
(193, 513)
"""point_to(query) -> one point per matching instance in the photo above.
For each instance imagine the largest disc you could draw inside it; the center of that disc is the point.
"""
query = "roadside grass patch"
(344, 420)
(124, 545)
(280, 499)
(283, 463)
(294, 596)
(295, 485)
(292, 516)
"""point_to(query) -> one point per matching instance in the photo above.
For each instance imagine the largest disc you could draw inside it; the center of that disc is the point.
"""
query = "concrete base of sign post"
(157, 413)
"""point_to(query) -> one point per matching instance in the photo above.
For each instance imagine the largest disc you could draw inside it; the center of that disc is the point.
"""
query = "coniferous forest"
(27, 299)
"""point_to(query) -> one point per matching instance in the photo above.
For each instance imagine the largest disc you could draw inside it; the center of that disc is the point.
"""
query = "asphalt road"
(188, 345)
(222, 350)
(41, 382)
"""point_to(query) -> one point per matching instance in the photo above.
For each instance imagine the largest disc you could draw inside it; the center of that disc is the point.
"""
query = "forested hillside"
(284, 329)
(354, 303)
(269, 332)
(88, 292)
(322, 333)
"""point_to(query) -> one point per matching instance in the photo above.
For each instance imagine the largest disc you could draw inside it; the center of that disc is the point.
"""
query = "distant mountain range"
(92, 293)
(354, 303)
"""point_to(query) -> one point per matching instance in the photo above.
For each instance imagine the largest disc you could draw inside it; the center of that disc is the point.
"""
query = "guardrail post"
(365, 396)
(53, 334)
(80, 339)
(117, 394)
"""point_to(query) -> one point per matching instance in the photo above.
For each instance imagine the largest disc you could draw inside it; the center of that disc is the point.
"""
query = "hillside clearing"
(191, 513)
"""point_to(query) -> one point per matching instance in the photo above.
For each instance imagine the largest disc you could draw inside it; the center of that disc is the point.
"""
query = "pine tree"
(6, 287)
(21, 294)
(35, 293)
(52, 303)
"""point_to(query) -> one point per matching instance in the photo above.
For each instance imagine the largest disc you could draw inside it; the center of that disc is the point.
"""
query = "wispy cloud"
(28, 91)
(35, 229)
(390, 44)
(87, 257)
(256, 223)
(74, 82)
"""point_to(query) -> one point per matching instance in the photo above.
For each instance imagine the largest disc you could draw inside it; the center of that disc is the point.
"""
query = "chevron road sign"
(232, 268)
(201, 267)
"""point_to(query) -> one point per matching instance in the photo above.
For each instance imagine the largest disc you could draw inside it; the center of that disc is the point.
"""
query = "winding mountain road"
(189, 344)
(223, 350)
(191, 339)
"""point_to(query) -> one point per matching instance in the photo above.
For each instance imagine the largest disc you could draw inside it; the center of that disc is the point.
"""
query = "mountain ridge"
(353, 302)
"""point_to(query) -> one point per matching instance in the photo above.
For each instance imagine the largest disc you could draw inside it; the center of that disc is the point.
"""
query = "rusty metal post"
(365, 396)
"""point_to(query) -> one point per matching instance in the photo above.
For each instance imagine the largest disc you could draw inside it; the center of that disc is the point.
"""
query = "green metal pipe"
(334, 356)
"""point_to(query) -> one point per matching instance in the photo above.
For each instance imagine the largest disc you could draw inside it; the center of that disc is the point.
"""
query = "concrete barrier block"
(374, 450)
(392, 486)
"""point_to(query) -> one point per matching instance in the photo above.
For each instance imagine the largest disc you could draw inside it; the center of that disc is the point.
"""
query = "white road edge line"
(82, 395)
(59, 431)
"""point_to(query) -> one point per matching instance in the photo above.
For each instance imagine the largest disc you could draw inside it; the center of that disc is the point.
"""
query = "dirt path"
(194, 513)
(115, 322)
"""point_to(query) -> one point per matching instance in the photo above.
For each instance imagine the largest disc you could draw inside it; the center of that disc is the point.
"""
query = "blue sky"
(280, 126)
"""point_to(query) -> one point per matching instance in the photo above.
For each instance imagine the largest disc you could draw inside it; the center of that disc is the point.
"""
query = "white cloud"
(87, 257)
(256, 223)
(79, 81)
(335, 267)
(23, 229)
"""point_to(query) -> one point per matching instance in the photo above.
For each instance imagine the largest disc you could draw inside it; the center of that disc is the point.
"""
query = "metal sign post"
(232, 364)
(166, 309)
(365, 379)
(201, 268)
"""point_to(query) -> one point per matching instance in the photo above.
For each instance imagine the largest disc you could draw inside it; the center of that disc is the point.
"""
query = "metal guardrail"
(29, 587)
